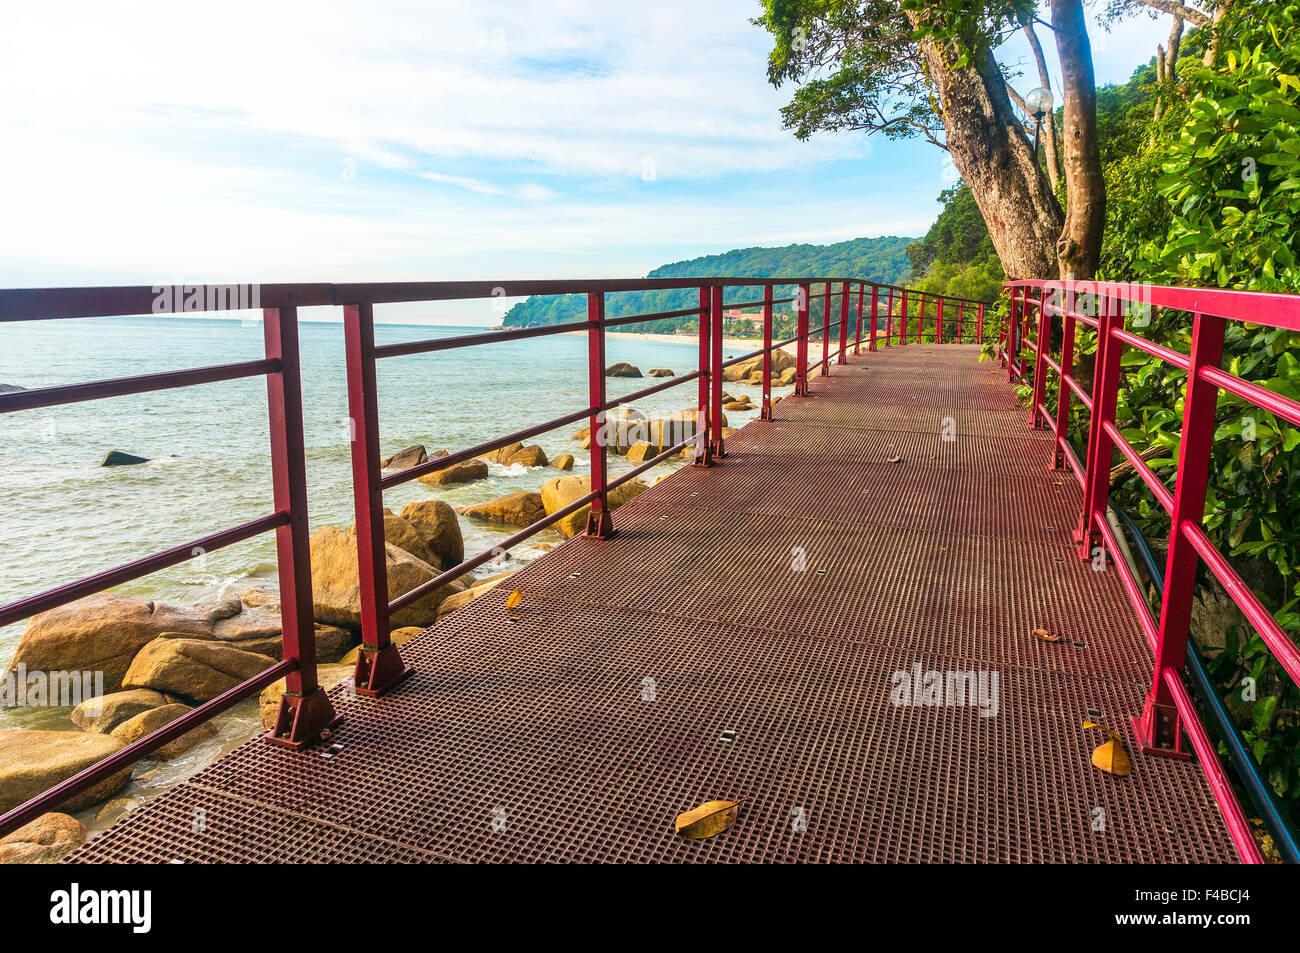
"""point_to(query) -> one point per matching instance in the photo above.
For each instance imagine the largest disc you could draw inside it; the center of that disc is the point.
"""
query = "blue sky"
(388, 141)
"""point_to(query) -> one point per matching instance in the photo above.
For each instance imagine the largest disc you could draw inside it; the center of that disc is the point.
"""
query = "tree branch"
(1174, 8)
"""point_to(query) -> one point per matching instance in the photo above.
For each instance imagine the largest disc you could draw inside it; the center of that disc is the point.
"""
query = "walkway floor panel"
(785, 595)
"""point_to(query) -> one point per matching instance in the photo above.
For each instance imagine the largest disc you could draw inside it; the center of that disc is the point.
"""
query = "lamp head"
(1039, 102)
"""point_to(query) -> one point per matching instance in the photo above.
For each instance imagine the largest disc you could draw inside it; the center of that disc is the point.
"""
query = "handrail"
(379, 664)
(305, 712)
(1167, 712)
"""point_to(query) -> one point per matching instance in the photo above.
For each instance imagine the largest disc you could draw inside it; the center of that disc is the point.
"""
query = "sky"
(162, 143)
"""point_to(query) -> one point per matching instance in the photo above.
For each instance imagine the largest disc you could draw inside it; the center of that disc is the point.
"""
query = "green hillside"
(876, 259)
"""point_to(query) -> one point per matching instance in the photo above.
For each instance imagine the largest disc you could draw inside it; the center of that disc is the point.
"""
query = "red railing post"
(826, 332)
(802, 304)
(1105, 392)
(1067, 369)
(715, 415)
(1159, 728)
(1013, 334)
(844, 324)
(599, 525)
(765, 407)
(920, 321)
(703, 453)
(305, 714)
(960, 303)
(875, 306)
(1040, 363)
(857, 328)
(889, 318)
(979, 324)
(902, 320)
(379, 664)
(938, 322)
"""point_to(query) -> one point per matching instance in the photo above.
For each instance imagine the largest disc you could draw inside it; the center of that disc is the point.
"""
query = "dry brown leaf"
(711, 817)
(1111, 756)
(894, 460)
(1049, 636)
(514, 598)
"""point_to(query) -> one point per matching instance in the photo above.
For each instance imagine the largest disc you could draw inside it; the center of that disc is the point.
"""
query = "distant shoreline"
(743, 345)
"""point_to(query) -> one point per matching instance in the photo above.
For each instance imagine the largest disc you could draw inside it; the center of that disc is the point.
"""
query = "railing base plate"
(379, 670)
(1159, 731)
(303, 720)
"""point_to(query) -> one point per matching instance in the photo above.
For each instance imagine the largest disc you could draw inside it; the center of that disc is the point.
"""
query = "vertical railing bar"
(1041, 351)
(875, 316)
(826, 332)
(599, 525)
(765, 407)
(715, 412)
(305, 712)
(902, 321)
(1068, 333)
(1159, 727)
(844, 324)
(379, 664)
(857, 332)
(703, 453)
(802, 306)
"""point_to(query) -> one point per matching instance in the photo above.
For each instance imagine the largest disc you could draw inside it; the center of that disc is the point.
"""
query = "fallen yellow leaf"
(711, 817)
(514, 598)
(1049, 637)
(1111, 756)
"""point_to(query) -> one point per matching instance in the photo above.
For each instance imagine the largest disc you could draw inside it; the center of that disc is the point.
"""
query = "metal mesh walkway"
(776, 596)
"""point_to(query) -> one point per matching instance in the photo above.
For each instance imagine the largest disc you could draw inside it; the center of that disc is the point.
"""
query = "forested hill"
(881, 259)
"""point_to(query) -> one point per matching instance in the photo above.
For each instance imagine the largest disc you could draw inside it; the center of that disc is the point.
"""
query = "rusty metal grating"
(533, 735)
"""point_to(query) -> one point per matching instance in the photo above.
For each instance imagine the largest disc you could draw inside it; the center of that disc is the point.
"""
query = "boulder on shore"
(337, 591)
(438, 526)
(43, 841)
(194, 669)
(781, 359)
(397, 637)
(529, 456)
(147, 722)
(399, 531)
(103, 633)
(405, 458)
(103, 714)
(622, 369)
(661, 372)
(452, 603)
(563, 461)
(640, 451)
(464, 472)
(116, 458)
(502, 454)
(560, 492)
(513, 509)
(33, 761)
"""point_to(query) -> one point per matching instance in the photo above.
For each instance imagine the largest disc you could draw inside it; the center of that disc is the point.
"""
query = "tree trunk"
(996, 159)
(1079, 249)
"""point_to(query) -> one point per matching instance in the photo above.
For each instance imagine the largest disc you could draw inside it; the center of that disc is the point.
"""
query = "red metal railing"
(305, 713)
(379, 664)
(1168, 711)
